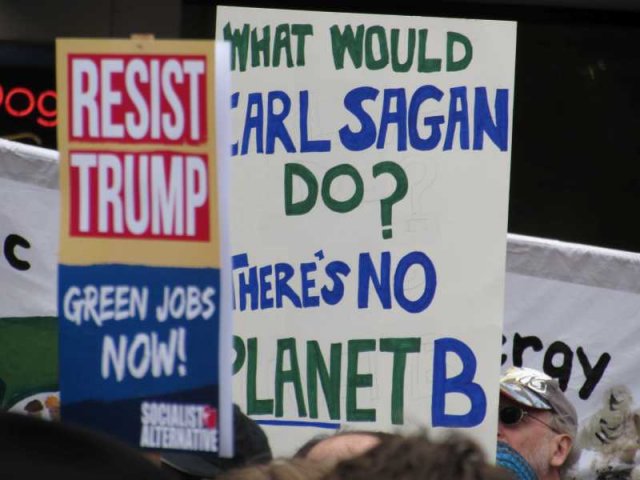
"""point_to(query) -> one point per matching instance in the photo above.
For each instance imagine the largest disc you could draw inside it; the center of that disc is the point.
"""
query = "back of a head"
(416, 457)
(282, 469)
(33, 449)
(341, 445)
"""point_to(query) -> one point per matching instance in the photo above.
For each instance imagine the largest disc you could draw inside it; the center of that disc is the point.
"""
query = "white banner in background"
(574, 312)
(29, 216)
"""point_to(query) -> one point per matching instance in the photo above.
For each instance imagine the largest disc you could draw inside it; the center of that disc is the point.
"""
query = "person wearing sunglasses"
(538, 423)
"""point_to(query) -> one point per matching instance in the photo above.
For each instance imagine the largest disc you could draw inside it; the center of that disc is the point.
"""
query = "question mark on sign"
(386, 204)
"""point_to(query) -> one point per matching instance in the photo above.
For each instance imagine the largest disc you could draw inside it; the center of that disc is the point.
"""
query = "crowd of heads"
(378, 456)
(536, 440)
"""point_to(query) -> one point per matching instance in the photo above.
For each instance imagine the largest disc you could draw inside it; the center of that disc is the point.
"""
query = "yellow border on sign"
(152, 252)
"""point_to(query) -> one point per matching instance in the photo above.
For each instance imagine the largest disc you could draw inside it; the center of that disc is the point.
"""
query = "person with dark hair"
(251, 447)
(416, 457)
(33, 449)
(342, 444)
(537, 421)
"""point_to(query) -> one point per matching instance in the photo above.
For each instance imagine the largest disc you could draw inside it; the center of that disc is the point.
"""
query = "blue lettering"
(253, 122)
(399, 117)
(307, 145)
(367, 273)
(421, 304)
(458, 116)
(248, 285)
(265, 287)
(275, 122)
(421, 95)
(284, 272)
(461, 383)
(483, 122)
(366, 136)
(235, 97)
(334, 270)
(307, 284)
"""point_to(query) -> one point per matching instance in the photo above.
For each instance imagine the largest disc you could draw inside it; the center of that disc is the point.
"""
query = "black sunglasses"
(512, 415)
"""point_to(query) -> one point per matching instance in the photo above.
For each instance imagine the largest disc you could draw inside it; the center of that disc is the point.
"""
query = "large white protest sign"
(370, 171)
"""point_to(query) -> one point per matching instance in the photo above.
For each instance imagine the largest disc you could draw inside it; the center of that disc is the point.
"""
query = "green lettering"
(395, 48)
(330, 382)
(254, 405)
(300, 31)
(303, 206)
(241, 354)
(456, 65)
(281, 42)
(357, 380)
(399, 347)
(347, 41)
(426, 65)
(370, 60)
(342, 206)
(239, 45)
(288, 345)
(260, 46)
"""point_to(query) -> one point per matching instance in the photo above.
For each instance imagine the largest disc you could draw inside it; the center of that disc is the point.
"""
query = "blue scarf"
(507, 457)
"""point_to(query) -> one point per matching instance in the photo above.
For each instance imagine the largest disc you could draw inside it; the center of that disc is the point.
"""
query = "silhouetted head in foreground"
(34, 449)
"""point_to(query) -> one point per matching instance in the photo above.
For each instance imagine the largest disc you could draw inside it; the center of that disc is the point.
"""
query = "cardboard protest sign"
(370, 172)
(140, 298)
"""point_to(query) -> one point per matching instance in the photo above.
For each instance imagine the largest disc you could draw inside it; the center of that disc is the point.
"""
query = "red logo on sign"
(210, 417)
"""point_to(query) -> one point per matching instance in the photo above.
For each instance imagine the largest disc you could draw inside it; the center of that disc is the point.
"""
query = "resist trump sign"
(139, 298)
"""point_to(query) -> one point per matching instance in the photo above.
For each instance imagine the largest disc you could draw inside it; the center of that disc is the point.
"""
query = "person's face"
(531, 438)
